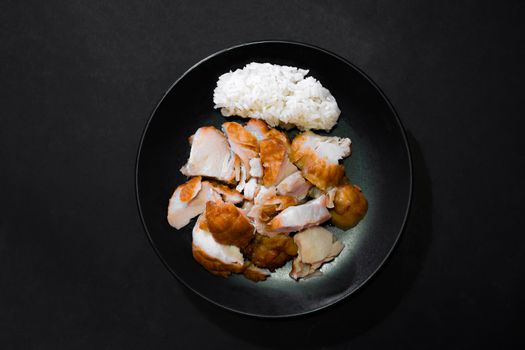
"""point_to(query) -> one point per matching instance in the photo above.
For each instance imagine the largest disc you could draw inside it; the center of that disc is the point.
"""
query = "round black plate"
(380, 164)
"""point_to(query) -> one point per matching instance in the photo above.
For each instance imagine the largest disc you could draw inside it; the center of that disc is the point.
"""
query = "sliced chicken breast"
(275, 162)
(217, 258)
(188, 201)
(258, 128)
(256, 169)
(262, 131)
(318, 158)
(296, 218)
(228, 194)
(267, 204)
(251, 189)
(242, 142)
(211, 156)
(241, 178)
(294, 185)
(315, 246)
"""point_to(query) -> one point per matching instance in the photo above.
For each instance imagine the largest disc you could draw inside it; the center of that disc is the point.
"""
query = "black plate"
(380, 164)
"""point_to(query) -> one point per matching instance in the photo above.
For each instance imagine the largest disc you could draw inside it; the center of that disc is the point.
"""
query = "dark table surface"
(78, 82)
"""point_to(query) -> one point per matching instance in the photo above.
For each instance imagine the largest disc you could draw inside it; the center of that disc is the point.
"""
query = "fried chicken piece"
(256, 169)
(270, 252)
(219, 259)
(296, 218)
(228, 194)
(188, 201)
(314, 192)
(211, 156)
(228, 224)
(315, 246)
(266, 206)
(251, 189)
(275, 162)
(255, 274)
(350, 206)
(294, 185)
(262, 131)
(242, 142)
(318, 158)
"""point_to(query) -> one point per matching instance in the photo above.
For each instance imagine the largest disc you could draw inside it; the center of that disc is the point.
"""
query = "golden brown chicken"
(266, 206)
(318, 158)
(228, 224)
(262, 131)
(270, 252)
(219, 259)
(350, 206)
(275, 162)
(255, 274)
(189, 199)
(242, 142)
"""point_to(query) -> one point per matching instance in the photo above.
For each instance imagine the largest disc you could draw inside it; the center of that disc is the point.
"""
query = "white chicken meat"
(315, 246)
(211, 156)
(296, 218)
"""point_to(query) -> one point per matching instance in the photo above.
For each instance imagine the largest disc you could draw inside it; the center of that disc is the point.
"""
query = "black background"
(78, 82)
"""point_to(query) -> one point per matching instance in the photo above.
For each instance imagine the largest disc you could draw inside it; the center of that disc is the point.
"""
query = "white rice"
(280, 95)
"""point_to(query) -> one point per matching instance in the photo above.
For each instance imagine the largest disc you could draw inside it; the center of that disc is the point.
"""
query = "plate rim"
(410, 169)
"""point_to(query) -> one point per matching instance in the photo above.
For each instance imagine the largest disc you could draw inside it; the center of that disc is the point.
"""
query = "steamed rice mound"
(279, 95)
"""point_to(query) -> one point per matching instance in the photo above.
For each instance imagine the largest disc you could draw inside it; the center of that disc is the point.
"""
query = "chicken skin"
(189, 200)
(262, 131)
(350, 206)
(270, 252)
(318, 158)
(228, 224)
(217, 258)
(275, 162)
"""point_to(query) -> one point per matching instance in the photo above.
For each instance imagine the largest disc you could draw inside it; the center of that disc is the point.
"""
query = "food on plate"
(315, 246)
(262, 131)
(294, 185)
(275, 162)
(227, 194)
(219, 259)
(242, 143)
(266, 206)
(350, 206)
(279, 95)
(182, 206)
(228, 224)
(211, 156)
(255, 273)
(318, 158)
(260, 196)
(189, 199)
(270, 252)
(296, 218)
